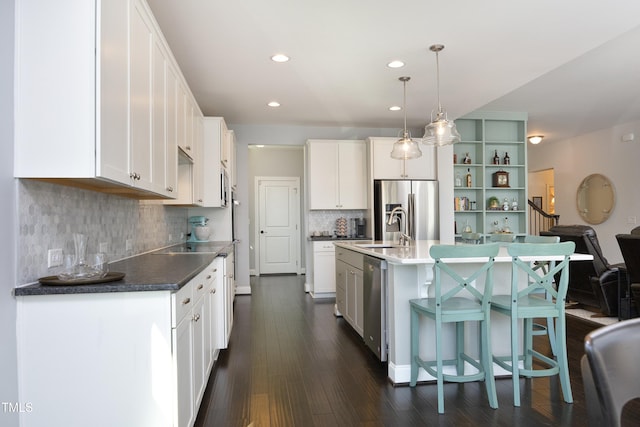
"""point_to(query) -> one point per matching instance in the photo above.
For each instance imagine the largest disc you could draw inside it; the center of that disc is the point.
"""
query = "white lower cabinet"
(349, 288)
(183, 344)
(324, 268)
(229, 292)
(148, 354)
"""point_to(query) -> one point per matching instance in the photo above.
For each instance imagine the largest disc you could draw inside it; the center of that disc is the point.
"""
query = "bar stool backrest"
(557, 254)
(446, 256)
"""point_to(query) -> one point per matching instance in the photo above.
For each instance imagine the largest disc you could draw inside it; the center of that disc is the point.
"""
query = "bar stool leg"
(415, 346)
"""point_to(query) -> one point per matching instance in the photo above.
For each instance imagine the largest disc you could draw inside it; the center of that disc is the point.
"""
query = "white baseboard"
(322, 294)
(243, 290)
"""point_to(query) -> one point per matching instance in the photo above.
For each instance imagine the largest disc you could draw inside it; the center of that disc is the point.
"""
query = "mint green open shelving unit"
(482, 134)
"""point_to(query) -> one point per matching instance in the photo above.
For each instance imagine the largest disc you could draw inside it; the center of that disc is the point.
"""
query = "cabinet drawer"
(354, 259)
(200, 286)
(323, 247)
(181, 303)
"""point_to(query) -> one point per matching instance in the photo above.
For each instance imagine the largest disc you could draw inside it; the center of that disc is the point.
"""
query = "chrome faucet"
(405, 239)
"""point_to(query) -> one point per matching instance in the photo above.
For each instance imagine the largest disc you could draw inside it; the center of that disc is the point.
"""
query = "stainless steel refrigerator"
(419, 216)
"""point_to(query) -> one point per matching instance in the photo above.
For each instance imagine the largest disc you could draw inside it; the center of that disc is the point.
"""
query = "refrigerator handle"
(411, 215)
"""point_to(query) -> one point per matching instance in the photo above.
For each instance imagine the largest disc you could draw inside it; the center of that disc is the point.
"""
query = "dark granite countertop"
(167, 269)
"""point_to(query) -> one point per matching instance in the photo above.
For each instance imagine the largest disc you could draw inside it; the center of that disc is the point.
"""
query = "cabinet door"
(423, 167)
(358, 278)
(230, 293)
(112, 149)
(341, 286)
(198, 161)
(211, 141)
(183, 345)
(352, 175)
(199, 357)
(350, 312)
(180, 120)
(323, 174)
(159, 116)
(219, 302)
(140, 142)
(171, 167)
(232, 158)
(225, 148)
(324, 268)
(384, 167)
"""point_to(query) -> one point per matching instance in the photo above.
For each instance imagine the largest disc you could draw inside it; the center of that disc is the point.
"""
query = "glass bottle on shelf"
(458, 180)
(505, 204)
(506, 228)
(468, 177)
(466, 160)
(496, 158)
(507, 160)
(514, 204)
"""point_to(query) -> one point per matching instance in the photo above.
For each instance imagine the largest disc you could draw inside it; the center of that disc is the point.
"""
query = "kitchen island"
(137, 351)
(409, 275)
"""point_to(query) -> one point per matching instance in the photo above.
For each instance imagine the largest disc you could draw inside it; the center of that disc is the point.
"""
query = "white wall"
(598, 152)
(8, 355)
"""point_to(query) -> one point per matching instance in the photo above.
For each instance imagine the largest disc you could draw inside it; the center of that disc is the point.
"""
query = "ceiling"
(573, 65)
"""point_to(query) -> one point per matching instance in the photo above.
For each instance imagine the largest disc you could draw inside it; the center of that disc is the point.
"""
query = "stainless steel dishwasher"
(375, 312)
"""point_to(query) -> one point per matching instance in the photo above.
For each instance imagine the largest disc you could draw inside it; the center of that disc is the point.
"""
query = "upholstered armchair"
(592, 283)
(630, 248)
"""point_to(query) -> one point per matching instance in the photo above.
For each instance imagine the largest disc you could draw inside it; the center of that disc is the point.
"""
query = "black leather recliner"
(630, 248)
(593, 283)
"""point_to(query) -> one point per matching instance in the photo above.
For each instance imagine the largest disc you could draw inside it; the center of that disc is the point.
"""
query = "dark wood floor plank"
(291, 362)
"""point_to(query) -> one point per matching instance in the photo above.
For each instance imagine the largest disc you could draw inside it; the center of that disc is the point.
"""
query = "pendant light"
(440, 131)
(405, 148)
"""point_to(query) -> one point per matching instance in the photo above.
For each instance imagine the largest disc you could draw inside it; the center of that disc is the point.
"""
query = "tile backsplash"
(320, 220)
(49, 214)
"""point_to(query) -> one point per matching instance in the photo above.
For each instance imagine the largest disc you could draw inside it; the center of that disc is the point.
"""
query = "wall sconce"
(535, 139)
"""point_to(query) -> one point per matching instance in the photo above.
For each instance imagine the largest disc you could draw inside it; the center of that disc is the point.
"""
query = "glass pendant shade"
(440, 131)
(405, 148)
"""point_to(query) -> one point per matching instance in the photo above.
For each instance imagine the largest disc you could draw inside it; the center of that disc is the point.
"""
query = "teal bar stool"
(458, 303)
(521, 304)
(549, 328)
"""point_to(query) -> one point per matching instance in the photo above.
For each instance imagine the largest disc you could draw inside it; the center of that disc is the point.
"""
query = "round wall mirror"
(595, 199)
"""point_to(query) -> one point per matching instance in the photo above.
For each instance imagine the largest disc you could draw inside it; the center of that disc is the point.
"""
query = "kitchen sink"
(377, 245)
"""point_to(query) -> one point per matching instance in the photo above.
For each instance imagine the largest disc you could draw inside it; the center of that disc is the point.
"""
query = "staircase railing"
(540, 220)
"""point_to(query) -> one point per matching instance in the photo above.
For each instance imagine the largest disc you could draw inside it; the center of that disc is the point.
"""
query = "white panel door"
(278, 225)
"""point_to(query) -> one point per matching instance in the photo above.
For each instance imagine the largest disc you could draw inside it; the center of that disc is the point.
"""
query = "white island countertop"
(418, 251)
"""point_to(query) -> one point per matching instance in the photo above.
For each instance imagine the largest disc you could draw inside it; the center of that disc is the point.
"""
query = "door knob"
(261, 231)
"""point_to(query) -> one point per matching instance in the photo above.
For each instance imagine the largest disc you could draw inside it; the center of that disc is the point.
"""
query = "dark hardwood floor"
(292, 363)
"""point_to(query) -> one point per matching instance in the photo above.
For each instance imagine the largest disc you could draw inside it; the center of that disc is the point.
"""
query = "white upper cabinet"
(215, 131)
(97, 101)
(384, 167)
(337, 174)
(225, 147)
(231, 136)
(141, 145)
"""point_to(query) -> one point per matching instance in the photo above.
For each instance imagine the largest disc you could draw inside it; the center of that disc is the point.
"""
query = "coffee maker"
(199, 230)
(359, 227)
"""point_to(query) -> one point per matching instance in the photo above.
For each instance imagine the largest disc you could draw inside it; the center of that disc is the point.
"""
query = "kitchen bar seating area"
(302, 366)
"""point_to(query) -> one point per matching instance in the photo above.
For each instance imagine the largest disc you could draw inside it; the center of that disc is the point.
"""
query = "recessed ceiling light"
(395, 108)
(395, 64)
(274, 104)
(280, 58)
